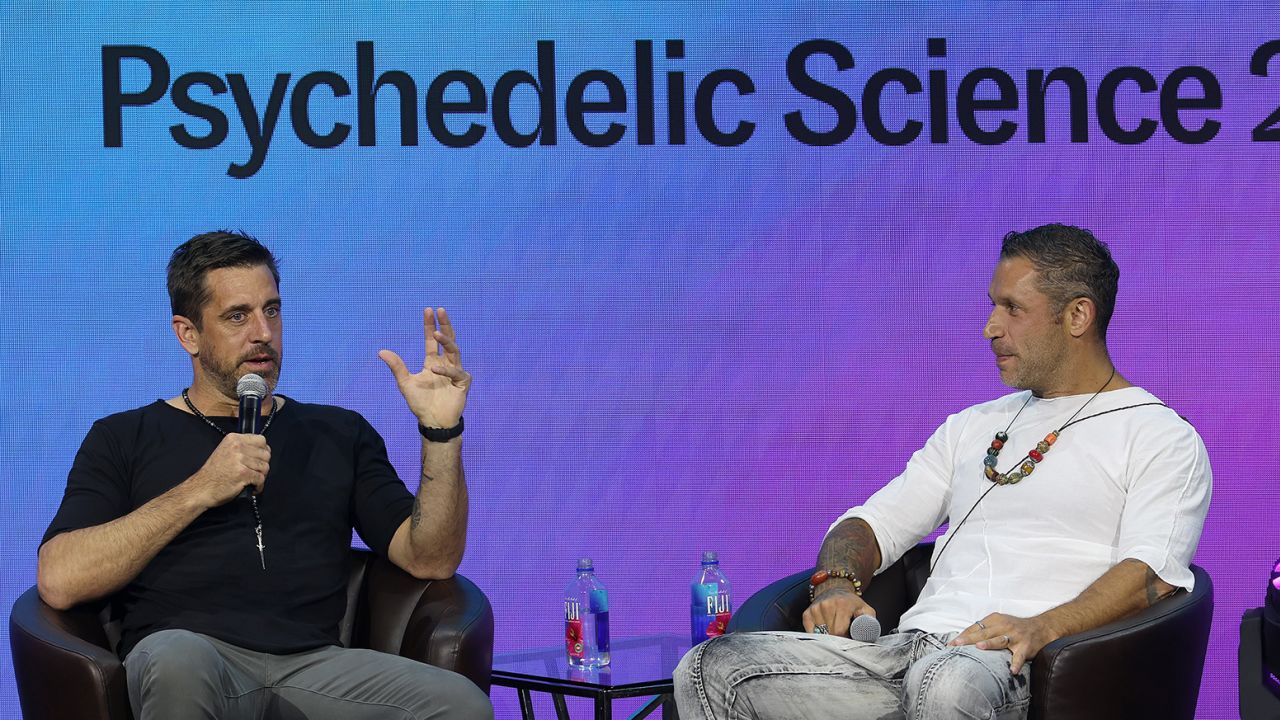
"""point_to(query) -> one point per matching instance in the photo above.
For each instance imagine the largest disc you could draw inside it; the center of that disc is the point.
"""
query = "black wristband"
(433, 434)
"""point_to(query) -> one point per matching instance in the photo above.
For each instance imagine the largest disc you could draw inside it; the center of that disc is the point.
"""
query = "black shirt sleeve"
(381, 502)
(97, 486)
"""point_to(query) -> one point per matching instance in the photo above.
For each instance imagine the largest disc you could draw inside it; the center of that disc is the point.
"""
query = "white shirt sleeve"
(914, 503)
(1169, 486)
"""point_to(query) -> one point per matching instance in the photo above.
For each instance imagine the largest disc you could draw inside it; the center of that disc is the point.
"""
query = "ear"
(1080, 315)
(188, 334)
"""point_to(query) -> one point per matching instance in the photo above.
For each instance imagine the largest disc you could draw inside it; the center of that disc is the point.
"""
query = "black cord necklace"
(1027, 464)
(252, 498)
(989, 465)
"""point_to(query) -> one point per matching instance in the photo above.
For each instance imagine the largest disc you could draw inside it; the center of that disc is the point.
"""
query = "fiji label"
(573, 629)
(710, 615)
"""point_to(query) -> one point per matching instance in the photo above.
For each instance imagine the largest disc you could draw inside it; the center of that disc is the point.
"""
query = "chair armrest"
(776, 606)
(780, 605)
(1145, 666)
(72, 647)
(445, 623)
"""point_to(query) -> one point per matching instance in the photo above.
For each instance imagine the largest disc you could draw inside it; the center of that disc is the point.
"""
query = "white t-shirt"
(1129, 484)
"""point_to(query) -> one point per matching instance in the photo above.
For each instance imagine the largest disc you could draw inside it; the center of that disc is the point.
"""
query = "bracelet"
(433, 434)
(822, 576)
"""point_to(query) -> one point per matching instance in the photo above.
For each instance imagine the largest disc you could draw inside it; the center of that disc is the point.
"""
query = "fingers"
(807, 619)
(842, 620)
(1019, 657)
(459, 376)
(429, 332)
(393, 361)
(446, 327)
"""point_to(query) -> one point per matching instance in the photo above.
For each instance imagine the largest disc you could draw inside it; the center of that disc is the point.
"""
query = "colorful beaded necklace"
(1028, 463)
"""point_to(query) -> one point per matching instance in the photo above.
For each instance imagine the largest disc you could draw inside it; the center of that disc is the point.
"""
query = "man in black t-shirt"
(231, 603)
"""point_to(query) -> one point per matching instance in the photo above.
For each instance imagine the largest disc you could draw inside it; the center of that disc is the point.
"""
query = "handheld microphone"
(251, 389)
(865, 628)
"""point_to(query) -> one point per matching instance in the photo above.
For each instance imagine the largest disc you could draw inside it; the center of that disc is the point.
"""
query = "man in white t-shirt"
(1072, 503)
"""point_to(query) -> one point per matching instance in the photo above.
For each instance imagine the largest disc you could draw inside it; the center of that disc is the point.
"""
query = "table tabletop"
(637, 665)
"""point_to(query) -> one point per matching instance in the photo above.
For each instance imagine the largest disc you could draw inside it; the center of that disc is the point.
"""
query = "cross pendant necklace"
(258, 531)
(262, 558)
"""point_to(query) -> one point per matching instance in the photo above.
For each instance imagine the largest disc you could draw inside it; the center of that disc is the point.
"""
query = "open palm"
(437, 394)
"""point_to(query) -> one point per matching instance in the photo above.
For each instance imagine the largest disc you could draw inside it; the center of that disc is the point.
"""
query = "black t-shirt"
(329, 474)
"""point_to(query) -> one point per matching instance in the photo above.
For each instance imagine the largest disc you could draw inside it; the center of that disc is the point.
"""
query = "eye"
(272, 312)
(237, 317)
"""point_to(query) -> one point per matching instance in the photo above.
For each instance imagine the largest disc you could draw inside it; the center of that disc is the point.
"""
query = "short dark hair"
(192, 260)
(1071, 263)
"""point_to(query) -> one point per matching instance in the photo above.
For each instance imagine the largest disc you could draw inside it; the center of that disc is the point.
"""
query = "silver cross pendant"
(263, 558)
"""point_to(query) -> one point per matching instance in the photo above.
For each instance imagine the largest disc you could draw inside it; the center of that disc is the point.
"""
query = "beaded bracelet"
(822, 576)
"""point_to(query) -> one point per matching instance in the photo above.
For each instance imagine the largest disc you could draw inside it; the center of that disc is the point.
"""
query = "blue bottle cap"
(709, 557)
(584, 564)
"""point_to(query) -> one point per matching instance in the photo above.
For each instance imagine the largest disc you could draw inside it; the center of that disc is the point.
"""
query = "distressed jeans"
(776, 675)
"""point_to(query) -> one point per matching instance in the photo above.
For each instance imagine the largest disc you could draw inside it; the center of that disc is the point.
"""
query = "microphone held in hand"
(865, 628)
(251, 390)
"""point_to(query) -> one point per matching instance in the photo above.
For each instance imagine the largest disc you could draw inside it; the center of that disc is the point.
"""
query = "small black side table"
(639, 666)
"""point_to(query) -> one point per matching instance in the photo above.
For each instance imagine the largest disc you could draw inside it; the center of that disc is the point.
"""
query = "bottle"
(710, 604)
(586, 619)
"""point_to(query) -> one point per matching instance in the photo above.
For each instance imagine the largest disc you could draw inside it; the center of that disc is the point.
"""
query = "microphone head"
(251, 385)
(865, 628)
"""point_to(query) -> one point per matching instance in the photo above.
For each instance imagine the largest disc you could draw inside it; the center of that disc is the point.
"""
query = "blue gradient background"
(675, 348)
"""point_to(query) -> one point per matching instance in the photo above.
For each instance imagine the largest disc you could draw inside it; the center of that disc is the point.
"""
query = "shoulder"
(1002, 407)
(129, 422)
(331, 417)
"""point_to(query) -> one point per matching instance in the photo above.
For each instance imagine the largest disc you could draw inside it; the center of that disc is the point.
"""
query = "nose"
(992, 329)
(261, 330)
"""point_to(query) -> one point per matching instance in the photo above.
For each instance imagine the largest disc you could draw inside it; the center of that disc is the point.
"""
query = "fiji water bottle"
(711, 606)
(586, 619)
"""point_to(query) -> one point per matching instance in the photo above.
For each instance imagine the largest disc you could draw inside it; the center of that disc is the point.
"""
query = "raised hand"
(437, 394)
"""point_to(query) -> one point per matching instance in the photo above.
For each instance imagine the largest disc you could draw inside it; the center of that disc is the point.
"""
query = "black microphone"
(251, 390)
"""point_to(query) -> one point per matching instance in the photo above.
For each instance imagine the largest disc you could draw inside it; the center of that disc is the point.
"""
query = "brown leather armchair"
(66, 667)
(1145, 666)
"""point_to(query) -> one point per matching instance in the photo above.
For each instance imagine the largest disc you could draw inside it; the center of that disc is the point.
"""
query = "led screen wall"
(717, 270)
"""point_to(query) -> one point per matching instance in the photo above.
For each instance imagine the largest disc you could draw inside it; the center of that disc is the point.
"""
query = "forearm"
(850, 546)
(438, 525)
(91, 563)
(1127, 588)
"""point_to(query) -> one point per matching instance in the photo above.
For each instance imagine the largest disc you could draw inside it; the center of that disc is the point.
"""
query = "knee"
(955, 683)
(474, 703)
(707, 662)
(177, 660)
(465, 701)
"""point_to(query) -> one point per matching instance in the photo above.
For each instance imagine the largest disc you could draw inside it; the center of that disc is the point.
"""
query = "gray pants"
(776, 675)
(181, 674)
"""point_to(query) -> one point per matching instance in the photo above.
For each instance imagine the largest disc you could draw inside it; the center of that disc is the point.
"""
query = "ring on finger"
(820, 629)
(1007, 641)
(980, 625)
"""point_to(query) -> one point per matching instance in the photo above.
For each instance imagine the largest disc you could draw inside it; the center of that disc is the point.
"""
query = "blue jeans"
(775, 675)
(180, 674)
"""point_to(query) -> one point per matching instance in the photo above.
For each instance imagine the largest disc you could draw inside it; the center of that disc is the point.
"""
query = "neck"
(213, 402)
(1098, 375)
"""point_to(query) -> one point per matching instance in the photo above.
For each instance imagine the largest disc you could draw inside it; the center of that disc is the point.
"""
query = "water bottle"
(586, 619)
(710, 604)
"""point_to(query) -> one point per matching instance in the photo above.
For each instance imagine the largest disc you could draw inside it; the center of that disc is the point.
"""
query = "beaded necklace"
(252, 498)
(988, 463)
(1029, 461)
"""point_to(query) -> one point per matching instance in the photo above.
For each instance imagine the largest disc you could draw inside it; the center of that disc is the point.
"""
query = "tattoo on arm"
(416, 518)
(1155, 592)
(851, 545)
